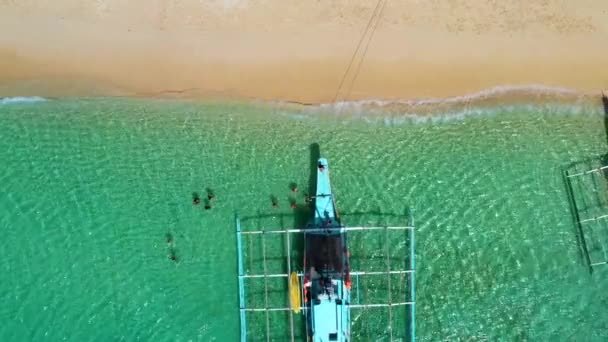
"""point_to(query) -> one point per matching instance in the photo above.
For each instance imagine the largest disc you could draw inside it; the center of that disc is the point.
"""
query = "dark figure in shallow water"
(292, 203)
(207, 205)
(307, 198)
(173, 255)
(169, 238)
(210, 194)
(196, 199)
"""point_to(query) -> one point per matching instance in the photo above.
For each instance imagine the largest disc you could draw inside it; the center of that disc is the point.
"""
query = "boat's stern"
(330, 316)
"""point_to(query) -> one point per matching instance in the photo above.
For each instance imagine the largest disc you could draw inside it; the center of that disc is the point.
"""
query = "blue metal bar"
(239, 247)
(340, 229)
(358, 290)
(412, 280)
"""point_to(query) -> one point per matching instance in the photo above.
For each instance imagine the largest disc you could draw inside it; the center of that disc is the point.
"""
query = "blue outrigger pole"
(242, 311)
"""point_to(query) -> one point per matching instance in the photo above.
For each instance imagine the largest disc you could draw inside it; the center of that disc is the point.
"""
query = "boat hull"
(326, 280)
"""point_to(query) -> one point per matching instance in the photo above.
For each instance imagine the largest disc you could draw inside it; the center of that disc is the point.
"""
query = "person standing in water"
(196, 199)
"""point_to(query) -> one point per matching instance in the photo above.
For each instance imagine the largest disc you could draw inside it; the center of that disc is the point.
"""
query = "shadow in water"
(302, 214)
(581, 244)
(315, 154)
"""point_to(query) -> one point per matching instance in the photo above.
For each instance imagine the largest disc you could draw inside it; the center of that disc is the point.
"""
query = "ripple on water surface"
(93, 187)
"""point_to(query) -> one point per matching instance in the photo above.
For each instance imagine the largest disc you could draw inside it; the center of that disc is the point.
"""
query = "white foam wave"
(532, 89)
(517, 99)
(21, 99)
(526, 98)
(444, 117)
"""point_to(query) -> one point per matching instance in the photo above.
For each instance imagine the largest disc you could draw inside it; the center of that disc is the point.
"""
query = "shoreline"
(502, 98)
(498, 98)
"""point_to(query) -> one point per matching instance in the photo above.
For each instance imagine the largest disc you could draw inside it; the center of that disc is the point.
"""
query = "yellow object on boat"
(294, 292)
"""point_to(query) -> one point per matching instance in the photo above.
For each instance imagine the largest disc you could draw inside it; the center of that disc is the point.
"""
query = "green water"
(91, 188)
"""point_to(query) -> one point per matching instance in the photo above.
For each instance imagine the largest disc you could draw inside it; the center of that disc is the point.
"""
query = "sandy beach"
(299, 51)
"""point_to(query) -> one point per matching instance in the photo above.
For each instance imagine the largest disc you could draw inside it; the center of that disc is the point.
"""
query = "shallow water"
(91, 188)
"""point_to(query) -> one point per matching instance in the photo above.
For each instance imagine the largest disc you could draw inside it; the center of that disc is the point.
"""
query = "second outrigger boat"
(322, 290)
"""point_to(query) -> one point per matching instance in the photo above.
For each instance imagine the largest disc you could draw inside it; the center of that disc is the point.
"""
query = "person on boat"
(327, 219)
(330, 289)
(321, 167)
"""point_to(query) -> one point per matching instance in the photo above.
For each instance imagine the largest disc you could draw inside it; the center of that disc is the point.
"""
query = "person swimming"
(307, 198)
(196, 199)
(292, 202)
(173, 255)
(210, 194)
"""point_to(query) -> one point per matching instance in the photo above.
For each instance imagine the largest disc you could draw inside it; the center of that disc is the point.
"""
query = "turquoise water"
(91, 188)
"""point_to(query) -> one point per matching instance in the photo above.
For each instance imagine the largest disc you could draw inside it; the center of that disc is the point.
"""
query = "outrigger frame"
(587, 189)
(243, 275)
